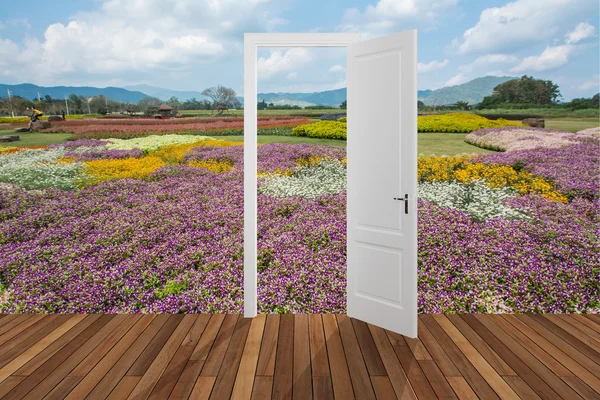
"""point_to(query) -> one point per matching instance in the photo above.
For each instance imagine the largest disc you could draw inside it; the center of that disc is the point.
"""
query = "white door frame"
(252, 41)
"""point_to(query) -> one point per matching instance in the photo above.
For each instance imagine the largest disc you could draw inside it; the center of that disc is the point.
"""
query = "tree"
(462, 105)
(526, 90)
(420, 105)
(149, 105)
(223, 98)
(174, 103)
(343, 105)
(261, 105)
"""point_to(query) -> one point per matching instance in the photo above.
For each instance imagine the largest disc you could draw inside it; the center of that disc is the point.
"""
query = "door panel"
(382, 167)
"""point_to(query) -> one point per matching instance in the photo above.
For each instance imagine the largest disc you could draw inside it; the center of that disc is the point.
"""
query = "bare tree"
(223, 98)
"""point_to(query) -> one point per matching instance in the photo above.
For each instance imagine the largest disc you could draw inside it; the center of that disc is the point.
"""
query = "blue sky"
(193, 44)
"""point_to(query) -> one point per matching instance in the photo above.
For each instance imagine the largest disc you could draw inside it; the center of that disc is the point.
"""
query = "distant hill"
(30, 91)
(166, 94)
(473, 91)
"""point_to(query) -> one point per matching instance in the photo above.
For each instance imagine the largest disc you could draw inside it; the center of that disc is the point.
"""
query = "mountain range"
(473, 92)
(30, 91)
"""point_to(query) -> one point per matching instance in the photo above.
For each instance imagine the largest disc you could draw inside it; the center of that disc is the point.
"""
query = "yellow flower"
(138, 168)
(465, 169)
(212, 165)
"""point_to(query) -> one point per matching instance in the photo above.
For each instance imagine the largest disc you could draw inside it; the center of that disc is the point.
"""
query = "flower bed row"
(514, 138)
(131, 130)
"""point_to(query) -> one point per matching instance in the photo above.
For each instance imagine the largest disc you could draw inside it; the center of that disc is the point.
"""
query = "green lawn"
(572, 124)
(429, 143)
(263, 139)
(35, 138)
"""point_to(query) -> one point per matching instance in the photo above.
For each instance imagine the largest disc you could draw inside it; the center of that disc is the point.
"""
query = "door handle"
(405, 200)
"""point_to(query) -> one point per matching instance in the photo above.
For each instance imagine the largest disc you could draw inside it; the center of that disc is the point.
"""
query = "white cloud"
(457, 79)
(552, 57)
(582, 31)
(133, 40)
(337, 68)
(292, 75)
(519, 23)
(432, 65)
(281, 61)
(591, 84)
(386, 15)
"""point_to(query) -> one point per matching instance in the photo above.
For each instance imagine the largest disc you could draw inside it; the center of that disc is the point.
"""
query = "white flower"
(325, 177)
(154, 142)
(475, 198)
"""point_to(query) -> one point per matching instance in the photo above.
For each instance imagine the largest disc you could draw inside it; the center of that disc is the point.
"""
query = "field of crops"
(153, 222)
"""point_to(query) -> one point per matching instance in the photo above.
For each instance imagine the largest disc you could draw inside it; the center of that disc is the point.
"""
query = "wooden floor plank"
(284, 360)
(22, 342)
(143, 362)
(577, 369)
(392, 365)
(369, 350)
(17, 330)
(436, 378)
(297, 356)
(163, 358)
(34, 350)
(318, 350)
(561, 389)
(584, 332)
(9, 384)
(263, 386)
(203, 388)
(482, 347)
(84, 326)
(437, 353)
(586, 321)
(124, 388)
(226, 378)
(244, 380)
(581, 388)
(383, 387)
(98, 372)
(416, 376)
(520, 387)
(356, 363)
(268, 349)
(340, 375)
(13, 322)
(192, 370)
(488, 373)
(39, 379)
(169, 377)
(322, 388)
(119, 369)
(57, 368)
(302, 375)
(461, 388)
(534, 348)
(467, 370)
(574, 341)
(219, 348)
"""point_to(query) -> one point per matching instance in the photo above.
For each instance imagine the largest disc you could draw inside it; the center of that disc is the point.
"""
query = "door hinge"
(405, 200)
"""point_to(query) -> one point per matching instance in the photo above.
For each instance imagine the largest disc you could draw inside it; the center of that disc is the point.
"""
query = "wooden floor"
(297, 356)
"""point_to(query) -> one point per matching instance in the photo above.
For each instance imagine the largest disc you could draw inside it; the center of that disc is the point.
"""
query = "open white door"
(382, 182)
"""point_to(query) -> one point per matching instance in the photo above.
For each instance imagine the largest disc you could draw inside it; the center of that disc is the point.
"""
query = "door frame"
(252, 41)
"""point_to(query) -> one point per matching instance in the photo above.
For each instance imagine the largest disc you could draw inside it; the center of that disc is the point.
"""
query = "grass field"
(429, 143)
(572, 124)
(35, 138)
(312, 113)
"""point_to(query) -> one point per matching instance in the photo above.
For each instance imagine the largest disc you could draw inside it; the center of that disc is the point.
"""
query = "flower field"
(135, 128)
(449, 123)
(155, 224)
